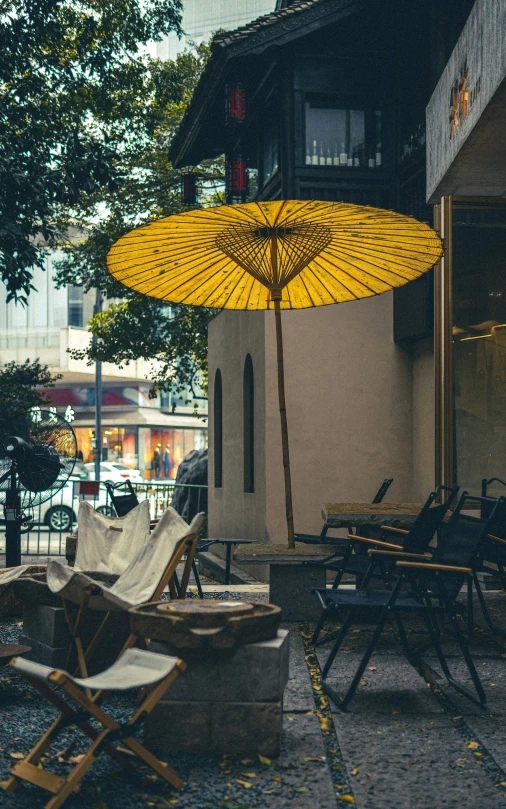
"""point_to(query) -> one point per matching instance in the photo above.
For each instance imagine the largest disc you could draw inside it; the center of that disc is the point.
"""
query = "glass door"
(470, 294)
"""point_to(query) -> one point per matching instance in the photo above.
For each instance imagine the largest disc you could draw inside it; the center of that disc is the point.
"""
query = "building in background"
(410, 384)
(133, 425)
(202, 18)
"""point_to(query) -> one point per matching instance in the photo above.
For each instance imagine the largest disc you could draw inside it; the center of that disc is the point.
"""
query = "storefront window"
(165, 449)
(161, 449)
(337, 136)
(478, 282)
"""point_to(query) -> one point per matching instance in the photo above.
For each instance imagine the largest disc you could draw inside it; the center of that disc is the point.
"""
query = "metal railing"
(48, 524)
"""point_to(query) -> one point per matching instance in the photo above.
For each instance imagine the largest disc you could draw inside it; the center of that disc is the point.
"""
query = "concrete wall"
(359, 409)
(232, 511)
(473, 162)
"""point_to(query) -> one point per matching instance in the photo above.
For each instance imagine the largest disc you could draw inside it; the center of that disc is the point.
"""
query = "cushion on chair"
(135, 668)
(108, 544)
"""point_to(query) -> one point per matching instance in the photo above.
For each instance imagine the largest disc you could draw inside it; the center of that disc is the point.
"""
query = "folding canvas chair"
(425, 588)
(143, 581)
(124, 499)
(322, 539)
(134, 669)
(107, 544)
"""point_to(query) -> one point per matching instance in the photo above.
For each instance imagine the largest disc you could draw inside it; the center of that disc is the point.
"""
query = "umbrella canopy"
(278, 255)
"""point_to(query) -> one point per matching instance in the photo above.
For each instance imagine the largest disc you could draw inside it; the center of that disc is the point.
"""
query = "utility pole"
(98, 394)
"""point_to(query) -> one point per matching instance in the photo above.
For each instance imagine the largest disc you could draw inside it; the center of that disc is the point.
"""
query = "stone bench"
(226, 702)
(290, 581)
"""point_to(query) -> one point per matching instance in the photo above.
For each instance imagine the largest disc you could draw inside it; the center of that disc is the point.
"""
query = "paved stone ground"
(401, 745)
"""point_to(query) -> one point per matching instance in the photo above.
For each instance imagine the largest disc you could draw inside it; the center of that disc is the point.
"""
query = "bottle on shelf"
(343, 157)
(329, 157)
(308, 157)
(378, 154)
(322, 156)
(371, 162)
(314, 157)
(335, 158)
(356, 159)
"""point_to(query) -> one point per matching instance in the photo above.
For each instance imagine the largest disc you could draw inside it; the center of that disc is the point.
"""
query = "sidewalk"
(401, 745)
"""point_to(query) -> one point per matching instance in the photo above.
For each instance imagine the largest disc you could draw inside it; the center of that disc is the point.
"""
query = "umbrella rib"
(333, 277)
(308, 269)
(364, 283)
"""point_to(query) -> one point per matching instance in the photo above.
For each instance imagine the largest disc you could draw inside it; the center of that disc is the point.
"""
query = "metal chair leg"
(197, 579)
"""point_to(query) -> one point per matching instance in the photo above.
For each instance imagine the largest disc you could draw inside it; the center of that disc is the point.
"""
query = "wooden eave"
(201, 133)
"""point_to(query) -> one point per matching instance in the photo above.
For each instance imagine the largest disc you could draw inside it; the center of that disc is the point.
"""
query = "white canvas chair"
(108, 544)
(134, 669)
(144, 580)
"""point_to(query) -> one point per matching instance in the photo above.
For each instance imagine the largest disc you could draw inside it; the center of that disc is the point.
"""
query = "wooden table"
(353, 515)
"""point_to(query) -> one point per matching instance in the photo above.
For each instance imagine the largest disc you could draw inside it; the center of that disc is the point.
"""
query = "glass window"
(75, 304)
(249, 426)
(218, 431)
(337, 136)
(479, 343)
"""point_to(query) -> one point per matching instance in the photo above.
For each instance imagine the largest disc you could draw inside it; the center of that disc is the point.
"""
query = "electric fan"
(37, 455)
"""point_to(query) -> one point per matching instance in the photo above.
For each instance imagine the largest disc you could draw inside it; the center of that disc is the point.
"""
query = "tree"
(20, 388)
(148, 188)
(76, 98)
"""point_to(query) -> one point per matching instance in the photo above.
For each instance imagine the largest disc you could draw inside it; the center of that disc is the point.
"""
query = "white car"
(112, 472)
(61, 511)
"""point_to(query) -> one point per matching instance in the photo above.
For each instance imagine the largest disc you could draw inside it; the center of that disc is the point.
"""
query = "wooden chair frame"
(30, 769)
(186, 546)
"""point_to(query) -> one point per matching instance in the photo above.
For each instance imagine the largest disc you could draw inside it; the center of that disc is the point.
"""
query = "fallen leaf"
(461, 762)
(347, 648)
(472, 745)
(325, 723)
(478, 754)
(246, 760)
(290, 718)
(346, 798)
(368, 774)
(372, 668)
(492, 685)
(314, 758)
(301, 789)
(422, 729)
(17, 755)
(455, 718)
(264, 760)
(355, 771)
(363, 682)
(249, 774)
(277, 779)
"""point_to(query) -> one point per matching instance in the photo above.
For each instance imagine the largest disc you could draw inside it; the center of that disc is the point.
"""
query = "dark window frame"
(218, 429)
(249, 425)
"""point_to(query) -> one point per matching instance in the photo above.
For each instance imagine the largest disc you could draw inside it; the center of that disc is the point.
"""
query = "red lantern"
(236, 104)
(188, 188)
(237, 178)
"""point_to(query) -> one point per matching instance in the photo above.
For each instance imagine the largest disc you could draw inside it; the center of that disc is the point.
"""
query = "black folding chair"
(123, 497)
(428, 589)
(128, 500)
(322, 539)
(414, 542)
(491, 559)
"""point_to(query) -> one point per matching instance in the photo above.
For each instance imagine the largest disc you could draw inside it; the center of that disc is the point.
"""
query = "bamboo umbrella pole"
(284, 425)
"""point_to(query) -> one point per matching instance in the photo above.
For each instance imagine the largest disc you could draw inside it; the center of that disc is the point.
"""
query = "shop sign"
(462, 98)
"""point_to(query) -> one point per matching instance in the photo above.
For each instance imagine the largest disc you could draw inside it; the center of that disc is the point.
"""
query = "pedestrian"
(166, 462)
(156, 461)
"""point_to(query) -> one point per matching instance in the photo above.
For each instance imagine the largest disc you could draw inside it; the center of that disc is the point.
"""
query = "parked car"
(112, 472)
(61, 511)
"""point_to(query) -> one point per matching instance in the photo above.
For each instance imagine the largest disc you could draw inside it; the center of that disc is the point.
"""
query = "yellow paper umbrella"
(274, 255)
